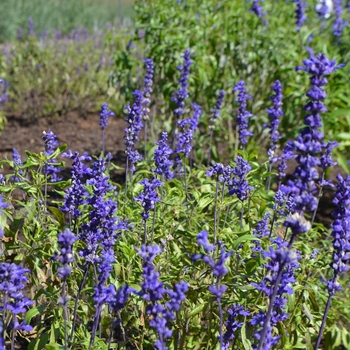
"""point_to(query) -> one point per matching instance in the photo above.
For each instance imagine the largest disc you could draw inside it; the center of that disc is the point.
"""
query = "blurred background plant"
(228, 43)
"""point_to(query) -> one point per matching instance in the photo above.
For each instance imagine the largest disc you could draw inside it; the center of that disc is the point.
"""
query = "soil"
(82, 133)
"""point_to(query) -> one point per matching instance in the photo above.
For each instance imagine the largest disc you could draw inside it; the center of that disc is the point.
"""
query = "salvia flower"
(341, 243)
(188, 127)
(217, 109)
(217, 268)
(149, 197)
(280, 269)
(275, 113)
(134, 119)
(105, 113)
(258, 10)
(147, 90)
(300, 16)
(65, 242)
(232, 324)
(153, 291)
(17, 162)
(181, 95)
(339, 24)
(76, 194)
(261, 230)
(309, 144)
(13, 280)
(50, 143)
(238, 184)
(162, 158)
(242, 114)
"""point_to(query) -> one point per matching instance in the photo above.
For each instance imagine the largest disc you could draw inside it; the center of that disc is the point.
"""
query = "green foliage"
(52, 77)
(228, 44)
(64, 15)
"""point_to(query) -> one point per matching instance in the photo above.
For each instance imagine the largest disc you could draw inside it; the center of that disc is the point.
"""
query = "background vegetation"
(80, 69)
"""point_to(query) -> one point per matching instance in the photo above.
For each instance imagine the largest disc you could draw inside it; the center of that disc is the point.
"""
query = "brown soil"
(80, 133)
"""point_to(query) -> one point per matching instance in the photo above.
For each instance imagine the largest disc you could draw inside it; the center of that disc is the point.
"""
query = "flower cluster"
(341, 232)
(300, 16)
(218, 268)
(134, 119)
(232, 324)
(258, 10)
(280, 269)
(105, 113)
(65, 241)
(76, 194)
(162, 158)
(339, 24)
(153, 291)
(12, 282)
(148, 197)
(243, 114)
(50, 143)
(17, 162)
(309, 143)
(275, 113)
(261, 230)
(188, 126)
(181, 95)
(238, 184)
(147, 91)
(217, 109)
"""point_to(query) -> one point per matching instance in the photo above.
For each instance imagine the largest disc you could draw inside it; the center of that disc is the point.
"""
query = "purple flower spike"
(238, 185)
(243, 114)
(162, 158)
(258, 10)
(65, 241)
(275, 113)
(105, 113)
(341, 243)
(51, 143)
(232, 324)
(153, 291)
(188, 126)
(300, 16)
(134, 119)
(339, 24)
(217, 109)
(147, 91)
(182, 94)
(149, 196)
(309, 144)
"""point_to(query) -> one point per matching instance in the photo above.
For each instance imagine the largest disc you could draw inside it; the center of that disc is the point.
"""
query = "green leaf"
(246, 342)
(34, 312)
(244, 238)
(196, 310)
(58, 215)
(55, 347)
